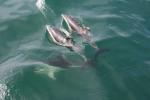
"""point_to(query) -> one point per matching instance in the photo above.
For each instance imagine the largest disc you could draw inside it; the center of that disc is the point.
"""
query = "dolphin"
(63, 38)
(59, 37)
(75, 25)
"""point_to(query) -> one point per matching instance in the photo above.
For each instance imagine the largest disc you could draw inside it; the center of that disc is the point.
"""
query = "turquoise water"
(32, 68)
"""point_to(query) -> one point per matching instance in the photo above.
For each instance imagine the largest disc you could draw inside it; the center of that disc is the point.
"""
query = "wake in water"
(45, 10)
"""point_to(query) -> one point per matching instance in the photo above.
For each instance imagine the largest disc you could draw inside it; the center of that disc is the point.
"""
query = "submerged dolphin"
(62, 37)
(75, 26)
(56, 64)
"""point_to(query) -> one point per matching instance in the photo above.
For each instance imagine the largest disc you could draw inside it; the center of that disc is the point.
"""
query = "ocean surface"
(33, 68)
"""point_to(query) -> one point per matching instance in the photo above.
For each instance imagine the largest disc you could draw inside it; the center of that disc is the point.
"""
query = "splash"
(40, 4)
(45, 9)
(3, 91)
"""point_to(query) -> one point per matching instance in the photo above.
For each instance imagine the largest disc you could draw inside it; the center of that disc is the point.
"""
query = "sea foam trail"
(3, 91)
(48, 12)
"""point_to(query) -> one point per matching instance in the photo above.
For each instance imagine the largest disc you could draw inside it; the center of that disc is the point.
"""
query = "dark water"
(27, 59)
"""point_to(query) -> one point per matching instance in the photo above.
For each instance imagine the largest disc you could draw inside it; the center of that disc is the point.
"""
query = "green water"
(28, 59)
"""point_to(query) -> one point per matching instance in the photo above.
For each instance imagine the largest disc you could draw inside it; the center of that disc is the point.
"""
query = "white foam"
(44, 9)
(3, 91)
(40, 4)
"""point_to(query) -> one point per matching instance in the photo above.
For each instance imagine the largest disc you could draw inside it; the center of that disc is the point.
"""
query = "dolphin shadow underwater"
(59, 61)
(65, 63)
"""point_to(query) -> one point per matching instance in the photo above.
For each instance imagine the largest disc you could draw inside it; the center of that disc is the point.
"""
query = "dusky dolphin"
(63, 38)
(75, 25)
